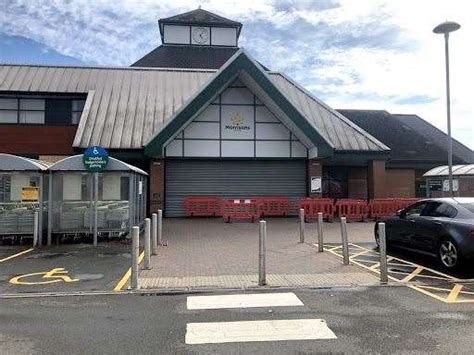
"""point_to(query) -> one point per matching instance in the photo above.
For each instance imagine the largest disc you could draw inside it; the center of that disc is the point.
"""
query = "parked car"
(439, 227)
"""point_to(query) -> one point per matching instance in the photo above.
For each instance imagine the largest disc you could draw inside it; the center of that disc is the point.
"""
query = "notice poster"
(455, 185)
(315, 184)
(29, 194)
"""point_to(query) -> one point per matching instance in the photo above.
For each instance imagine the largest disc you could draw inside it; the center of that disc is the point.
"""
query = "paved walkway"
(203, 253)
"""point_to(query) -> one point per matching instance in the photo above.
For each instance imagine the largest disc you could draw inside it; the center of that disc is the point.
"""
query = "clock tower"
(199, 28)
(197, 39)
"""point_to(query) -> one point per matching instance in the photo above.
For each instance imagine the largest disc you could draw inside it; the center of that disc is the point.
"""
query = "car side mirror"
(400, 213)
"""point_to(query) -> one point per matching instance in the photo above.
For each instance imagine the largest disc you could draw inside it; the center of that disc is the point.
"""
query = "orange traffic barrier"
(247, 209)
(202, 206)
(312, 206)
(274, 206)
(353, 210)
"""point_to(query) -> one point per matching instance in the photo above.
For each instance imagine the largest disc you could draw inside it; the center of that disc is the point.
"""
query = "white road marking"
(244, 301)
(262, 330)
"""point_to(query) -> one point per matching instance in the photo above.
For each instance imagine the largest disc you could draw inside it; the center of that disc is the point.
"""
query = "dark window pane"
(58, 111)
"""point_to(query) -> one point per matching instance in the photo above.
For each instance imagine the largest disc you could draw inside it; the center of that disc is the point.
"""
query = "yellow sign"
(48, 277)
(238, 119)
(29, 194)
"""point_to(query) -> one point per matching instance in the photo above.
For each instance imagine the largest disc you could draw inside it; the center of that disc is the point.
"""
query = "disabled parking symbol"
(41, 278)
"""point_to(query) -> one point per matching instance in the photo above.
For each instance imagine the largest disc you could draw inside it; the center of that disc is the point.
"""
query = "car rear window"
(468, 206)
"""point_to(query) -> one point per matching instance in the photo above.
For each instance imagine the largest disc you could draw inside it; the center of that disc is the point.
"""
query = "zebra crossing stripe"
(253, 331)
(243, 301)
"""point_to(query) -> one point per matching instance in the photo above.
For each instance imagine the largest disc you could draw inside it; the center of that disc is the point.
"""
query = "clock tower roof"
(199, 17)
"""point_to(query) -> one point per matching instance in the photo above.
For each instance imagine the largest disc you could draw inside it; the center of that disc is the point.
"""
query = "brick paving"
(204, 253)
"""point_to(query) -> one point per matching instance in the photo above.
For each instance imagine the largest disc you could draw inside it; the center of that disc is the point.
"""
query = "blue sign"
(95, 158)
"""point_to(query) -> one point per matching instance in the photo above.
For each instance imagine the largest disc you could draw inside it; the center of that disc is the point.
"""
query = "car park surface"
(63, 268)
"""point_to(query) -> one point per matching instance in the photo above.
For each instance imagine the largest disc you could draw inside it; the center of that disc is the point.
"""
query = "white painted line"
(244, 301)
(262, 330)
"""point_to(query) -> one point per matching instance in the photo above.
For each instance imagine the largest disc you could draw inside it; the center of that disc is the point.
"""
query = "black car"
(440, 227)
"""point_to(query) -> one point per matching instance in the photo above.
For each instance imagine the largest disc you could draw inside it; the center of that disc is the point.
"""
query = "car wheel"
(448, 253)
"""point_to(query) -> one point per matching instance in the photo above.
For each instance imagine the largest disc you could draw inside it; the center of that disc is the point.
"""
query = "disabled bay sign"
(95, 158)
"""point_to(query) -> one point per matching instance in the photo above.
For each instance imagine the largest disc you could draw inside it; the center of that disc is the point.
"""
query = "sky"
(363, 54)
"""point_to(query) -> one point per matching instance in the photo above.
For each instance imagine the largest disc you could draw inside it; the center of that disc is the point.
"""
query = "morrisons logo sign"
(237, 123)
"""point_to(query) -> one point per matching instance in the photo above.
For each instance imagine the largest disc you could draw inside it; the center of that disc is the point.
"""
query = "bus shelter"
(102, 204)
(22, 191)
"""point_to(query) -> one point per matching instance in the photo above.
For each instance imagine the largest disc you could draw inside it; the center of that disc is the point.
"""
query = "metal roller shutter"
(232, 179)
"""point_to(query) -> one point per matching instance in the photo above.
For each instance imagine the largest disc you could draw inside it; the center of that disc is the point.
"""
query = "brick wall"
(314, 168)
(37, 139)
(400, 182)
(376, 179)
(357, 183)
(466, 187)
(157, 184)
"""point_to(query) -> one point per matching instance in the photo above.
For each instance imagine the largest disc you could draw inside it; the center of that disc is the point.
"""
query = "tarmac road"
(364, 320)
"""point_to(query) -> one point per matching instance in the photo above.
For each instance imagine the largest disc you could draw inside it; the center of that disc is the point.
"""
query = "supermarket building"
(201, 116)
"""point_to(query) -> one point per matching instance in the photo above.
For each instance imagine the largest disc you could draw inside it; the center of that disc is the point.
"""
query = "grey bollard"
(160, 227)
(262, 236)
(345, 243)
(383, 253)
(154, 234)
(36, 229)
(320, 233)
(135, 252)
(301, 225)
(147, 242)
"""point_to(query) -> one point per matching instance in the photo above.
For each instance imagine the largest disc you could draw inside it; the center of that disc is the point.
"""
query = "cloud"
(371, 54)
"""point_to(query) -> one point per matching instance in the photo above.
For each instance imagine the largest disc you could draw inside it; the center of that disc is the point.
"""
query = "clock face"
(200, 35)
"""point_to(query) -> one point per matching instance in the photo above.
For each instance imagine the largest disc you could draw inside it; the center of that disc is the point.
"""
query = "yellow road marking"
(55, 275)
(427, 293)
(454, 293)
(127, 275)
(435, 288)
(358, 254)
(15, 255)
(375, 266)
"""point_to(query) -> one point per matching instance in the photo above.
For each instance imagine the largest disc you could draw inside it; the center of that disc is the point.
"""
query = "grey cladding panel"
(232, 179)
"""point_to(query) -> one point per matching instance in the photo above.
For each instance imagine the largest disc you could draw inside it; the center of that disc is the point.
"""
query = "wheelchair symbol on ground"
(41, 278)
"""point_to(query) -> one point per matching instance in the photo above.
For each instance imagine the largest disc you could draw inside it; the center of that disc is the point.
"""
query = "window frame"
(45, 98)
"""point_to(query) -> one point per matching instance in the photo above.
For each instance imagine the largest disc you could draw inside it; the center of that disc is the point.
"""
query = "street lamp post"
(445, 28)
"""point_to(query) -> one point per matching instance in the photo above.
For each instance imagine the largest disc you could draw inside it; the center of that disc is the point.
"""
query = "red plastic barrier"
(274, 206)
(312, 206)
(248, 209)
(384, 207)
(202, 206)
(353, 210)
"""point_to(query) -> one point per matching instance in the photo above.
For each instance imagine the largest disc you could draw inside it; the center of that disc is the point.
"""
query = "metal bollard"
(320, 232)
(135, 251)
(383, 253)
(345, 244)
(301, 225)
(146, 263)
(36, 229)
(160, 227)
(154, 234)
(262, 236)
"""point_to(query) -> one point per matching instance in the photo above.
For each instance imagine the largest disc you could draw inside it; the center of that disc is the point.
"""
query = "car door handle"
(438, 223)
(412, 220)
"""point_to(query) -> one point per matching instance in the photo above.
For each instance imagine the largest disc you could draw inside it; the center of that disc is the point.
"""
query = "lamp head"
(447, 27)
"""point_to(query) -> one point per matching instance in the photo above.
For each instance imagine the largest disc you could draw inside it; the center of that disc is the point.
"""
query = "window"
(415, 210)
(31, 110)
(77, 107)
(8, 110)
(438, 209)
